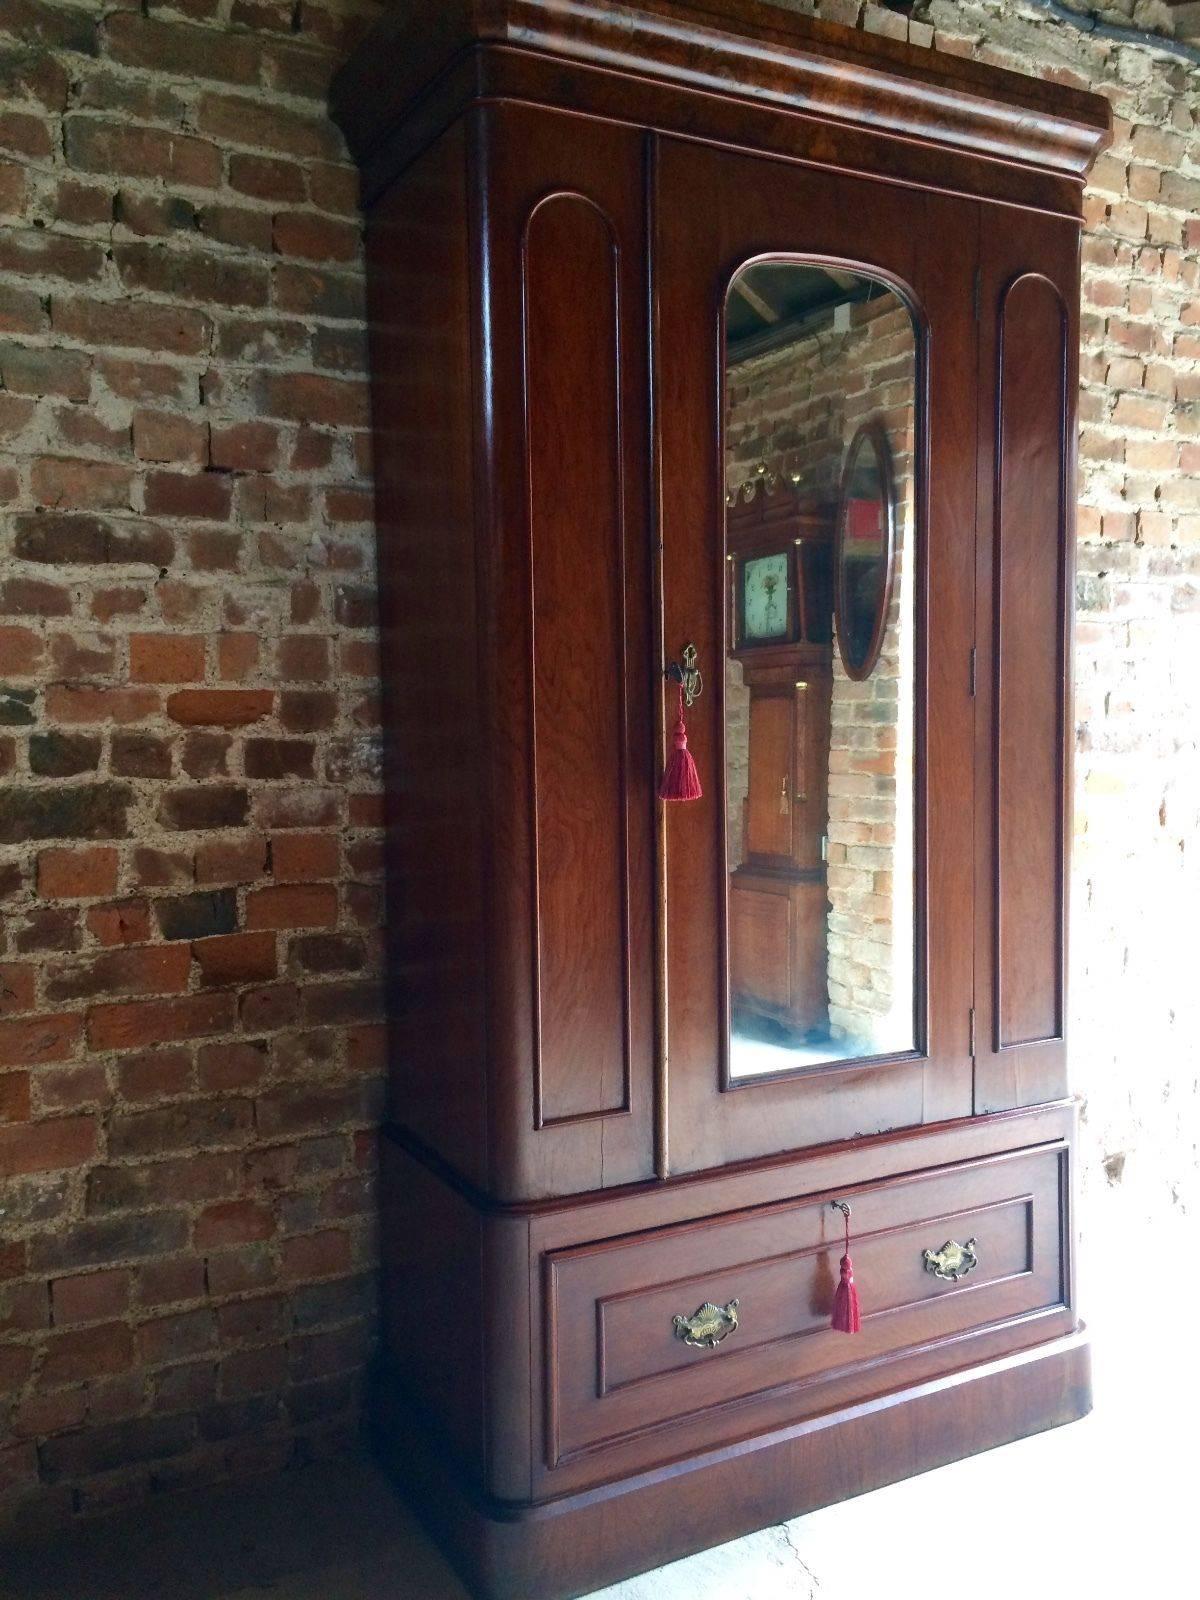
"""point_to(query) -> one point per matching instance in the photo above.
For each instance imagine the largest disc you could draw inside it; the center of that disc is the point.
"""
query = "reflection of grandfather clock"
(780, 548)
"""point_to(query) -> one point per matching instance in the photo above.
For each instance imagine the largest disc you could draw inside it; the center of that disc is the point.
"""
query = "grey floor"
(1106, 1507)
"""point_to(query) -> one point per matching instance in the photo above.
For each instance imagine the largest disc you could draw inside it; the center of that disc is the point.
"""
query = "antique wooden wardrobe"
(630, 266)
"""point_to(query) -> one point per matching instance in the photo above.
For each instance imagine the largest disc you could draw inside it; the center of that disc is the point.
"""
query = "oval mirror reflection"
(863, 556)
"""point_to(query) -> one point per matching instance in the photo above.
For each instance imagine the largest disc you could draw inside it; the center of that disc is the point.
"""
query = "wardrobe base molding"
(574, 1545)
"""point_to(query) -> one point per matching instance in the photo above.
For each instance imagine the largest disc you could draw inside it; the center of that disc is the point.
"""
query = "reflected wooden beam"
(755, 301)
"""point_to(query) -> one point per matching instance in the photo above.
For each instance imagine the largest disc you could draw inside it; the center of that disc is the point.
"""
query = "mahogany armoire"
(627, 266)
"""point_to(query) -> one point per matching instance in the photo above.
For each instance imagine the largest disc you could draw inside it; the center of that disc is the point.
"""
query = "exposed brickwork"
(185, 1252)
(190, 1052)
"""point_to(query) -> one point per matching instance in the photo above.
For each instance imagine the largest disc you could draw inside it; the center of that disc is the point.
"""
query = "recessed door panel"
(571, 853)
(1027, 400)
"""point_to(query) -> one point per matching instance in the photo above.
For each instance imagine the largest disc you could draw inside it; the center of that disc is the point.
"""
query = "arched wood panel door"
(794, 309)
(1028, 383)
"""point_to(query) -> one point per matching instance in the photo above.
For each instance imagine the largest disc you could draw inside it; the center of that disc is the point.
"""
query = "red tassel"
(846, 1317)
(680, 780)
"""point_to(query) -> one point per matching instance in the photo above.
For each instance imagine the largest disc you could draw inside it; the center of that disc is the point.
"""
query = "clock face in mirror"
(766, 598)
(822, 803)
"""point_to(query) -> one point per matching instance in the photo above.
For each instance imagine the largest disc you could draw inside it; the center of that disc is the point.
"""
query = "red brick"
(170, 1281)
(233, 1222)
(182, 51)
(94, 144)
(171, 330)
(263, 127)
(305, 397)
(163, 436)
(81, 485)
(220, 708)
(155, 1074)
(266, 179)
(122, 922)
(91, 1297)
(206, 495)
(76, 874)
(246, 447)
(67, 1088)
(231, 861)
(166, 657)
(88, 1353)
(29, 1040)
(148, 969)
(187, 1333)
(40, 1415)
(237, 656)
(292, 906)
(315, 238)
(125, 1027)
(13, 189)
(14, 1097)
(18, 982)
(304, 857)
(42, 253)
(214, 550)
(226, 1066)
(304, 657)
(47, 1146)
(316, 1255)
(81, 703)
(30, 370)
(235, 958)
(21, 652)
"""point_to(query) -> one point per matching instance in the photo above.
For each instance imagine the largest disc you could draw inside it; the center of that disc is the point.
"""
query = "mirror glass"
(820, 684)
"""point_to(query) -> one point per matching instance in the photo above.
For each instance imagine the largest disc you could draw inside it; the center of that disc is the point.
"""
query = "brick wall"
(189, 1048)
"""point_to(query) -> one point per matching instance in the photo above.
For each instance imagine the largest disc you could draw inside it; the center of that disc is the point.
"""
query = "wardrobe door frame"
(755, 208)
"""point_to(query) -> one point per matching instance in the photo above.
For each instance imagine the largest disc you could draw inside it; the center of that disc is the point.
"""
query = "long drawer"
(618, 1369)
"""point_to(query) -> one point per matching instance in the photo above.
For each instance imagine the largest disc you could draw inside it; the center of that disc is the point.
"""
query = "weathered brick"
(91, 1296)
(76, 874)
(204, 807)
(34, 370)
(236, 958)
(46, 1146)
(177, 330)
(220, 708)
(76, 811)
(197, 1175)
(95, 144)
(125, 1027)
(197, 916)
(292, 906)
(69, 540)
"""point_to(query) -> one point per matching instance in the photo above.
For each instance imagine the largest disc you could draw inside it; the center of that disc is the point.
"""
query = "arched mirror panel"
(821, 419)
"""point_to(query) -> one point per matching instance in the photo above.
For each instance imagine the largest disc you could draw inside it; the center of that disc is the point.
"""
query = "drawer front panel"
(617, 1368)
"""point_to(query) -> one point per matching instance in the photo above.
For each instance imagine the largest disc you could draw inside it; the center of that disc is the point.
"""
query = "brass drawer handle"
(706, 1327)
(953, 1261)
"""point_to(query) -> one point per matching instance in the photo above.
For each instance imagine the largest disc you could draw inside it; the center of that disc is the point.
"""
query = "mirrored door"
(816, 405)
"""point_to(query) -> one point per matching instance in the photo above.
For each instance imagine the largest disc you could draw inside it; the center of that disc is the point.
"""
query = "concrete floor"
(1105, 1507)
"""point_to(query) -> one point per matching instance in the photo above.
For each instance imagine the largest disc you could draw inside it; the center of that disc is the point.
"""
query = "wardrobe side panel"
(422, 360)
